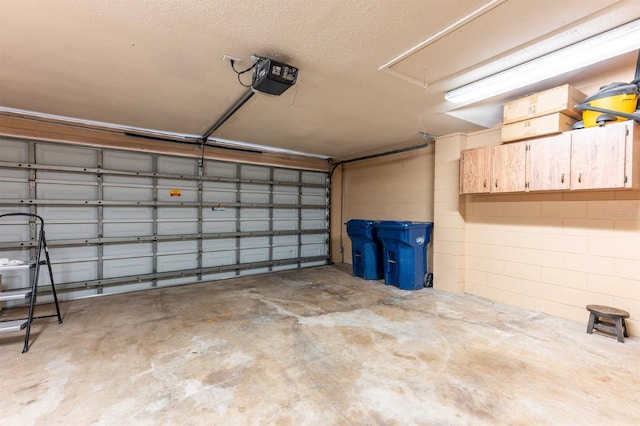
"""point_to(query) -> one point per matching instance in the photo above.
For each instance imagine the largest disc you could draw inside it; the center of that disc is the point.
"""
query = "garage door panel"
(285, 252)
(253, 196)
(177, 281)
(313, 224)
(285, 175)
(313, 238)
(177, 262)
(284, 198)
(213, 213)
(126, 288)
(70, 272)
(70, 178)
(12, 230)
(284, 267)
(219, 226)
(220, 276)
(14, 174)
(116, 193)
(14, 190)
(219, 258)
(187, 195)
(312, 264)
(128, 161)
(131, 214)
(168, 247)
(220, 169)
(14, 151)
(174, 183)
(249, 242)
(178, 165)
(285, 225)
(314, 200)
(254, 213)
(15, 279)
(126, 250)
(66, 231)
(254, 226)
(58, 254)
(68, 213)
(310, 250)
(285, 240)
(314, 177)
(65, 155)
(218, 197)
(253, 271)
(137, 229)
(313, 214)
(128, 266)
(178, 213)
(222, 244)
(14, 209)
(254, 255)
(67, 192)
(177, 228)
(254, 172)
(127, 180)
(285, 214)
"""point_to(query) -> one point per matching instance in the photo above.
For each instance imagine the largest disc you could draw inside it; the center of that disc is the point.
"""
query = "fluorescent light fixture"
(607, 45)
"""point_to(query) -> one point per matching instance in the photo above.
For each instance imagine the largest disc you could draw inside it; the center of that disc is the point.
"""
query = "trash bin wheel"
(428, 279)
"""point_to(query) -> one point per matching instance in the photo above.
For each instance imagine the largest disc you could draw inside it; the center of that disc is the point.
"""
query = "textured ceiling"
(157, 64)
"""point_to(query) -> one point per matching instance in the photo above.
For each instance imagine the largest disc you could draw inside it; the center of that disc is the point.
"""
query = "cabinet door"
(508, 167)
(598, 157)
(475, 170)
(549, 163)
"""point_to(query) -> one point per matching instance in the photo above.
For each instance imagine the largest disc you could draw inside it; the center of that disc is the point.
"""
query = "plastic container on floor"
(405, 253)
(366, 249)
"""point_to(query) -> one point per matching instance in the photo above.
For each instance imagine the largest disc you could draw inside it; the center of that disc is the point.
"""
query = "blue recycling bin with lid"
(366, 249)
(405, 253)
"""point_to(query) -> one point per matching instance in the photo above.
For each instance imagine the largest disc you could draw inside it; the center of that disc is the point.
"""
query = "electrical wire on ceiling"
(239, 73)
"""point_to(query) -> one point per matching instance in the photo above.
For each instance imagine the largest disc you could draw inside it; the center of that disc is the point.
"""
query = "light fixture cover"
(607, 45)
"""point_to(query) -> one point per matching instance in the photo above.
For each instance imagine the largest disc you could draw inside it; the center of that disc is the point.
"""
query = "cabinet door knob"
(579, 177)
(496, 183)
(485, 183)
(562, 178)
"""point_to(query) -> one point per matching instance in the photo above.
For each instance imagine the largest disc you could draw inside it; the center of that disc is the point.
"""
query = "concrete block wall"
(554, 252)
(396, 187)
(448, 211)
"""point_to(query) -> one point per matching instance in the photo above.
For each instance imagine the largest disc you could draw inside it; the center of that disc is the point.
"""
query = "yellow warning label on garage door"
(175, 192)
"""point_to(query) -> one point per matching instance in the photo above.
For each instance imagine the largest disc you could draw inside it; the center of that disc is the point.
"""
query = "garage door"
(120, 221)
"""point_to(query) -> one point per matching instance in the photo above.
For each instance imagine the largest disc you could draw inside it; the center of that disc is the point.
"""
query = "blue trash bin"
(405, 253)
(366, 249)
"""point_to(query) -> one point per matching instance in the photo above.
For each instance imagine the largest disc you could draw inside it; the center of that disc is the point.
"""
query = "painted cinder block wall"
(554, 252)
(397, 187)
(548, 252)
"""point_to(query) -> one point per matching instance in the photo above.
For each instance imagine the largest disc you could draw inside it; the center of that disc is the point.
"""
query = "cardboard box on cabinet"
(560, 99)
(535, 127)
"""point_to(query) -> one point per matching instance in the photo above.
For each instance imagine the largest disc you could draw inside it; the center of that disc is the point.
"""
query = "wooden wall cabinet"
(549, 163)
(475, 170)
(606, 157)
(508, 167)
(596, 158)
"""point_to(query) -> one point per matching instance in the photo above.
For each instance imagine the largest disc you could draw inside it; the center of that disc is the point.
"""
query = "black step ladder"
(31, 293)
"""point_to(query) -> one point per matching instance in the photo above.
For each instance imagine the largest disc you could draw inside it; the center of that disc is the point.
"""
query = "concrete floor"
(313, 347)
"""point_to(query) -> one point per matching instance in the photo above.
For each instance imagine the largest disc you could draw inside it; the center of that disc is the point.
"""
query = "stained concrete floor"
(313, 347)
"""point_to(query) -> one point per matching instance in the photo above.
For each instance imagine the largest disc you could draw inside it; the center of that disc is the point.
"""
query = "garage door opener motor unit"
(272, 77)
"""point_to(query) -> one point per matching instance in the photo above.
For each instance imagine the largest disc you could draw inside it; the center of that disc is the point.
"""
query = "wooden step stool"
(615, 324)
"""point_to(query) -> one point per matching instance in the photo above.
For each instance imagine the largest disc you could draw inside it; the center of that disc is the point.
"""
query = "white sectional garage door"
(119, 221)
